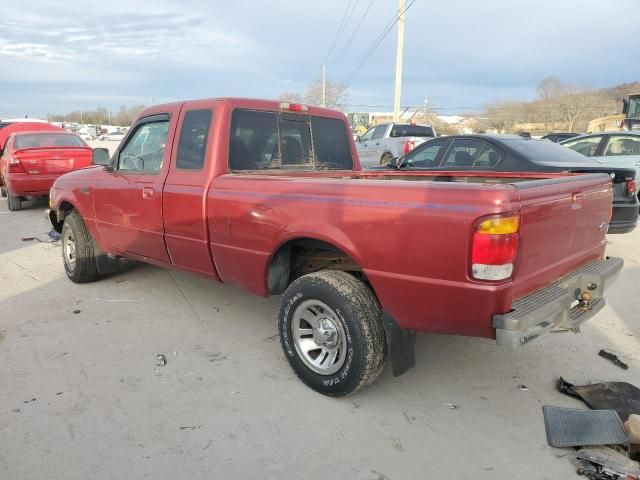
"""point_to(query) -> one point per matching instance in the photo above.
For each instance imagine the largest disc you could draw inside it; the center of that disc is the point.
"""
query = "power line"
(338, 32)
(348, 44)
(379, 40)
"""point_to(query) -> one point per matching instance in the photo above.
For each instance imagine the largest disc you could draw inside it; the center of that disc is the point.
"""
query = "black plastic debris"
(622, 397)
(614, 358)
(570, 427)
(162, 360)
(54, 235)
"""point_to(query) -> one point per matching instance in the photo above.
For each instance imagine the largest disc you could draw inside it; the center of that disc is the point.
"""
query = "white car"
(380, 144)
(114, 136)
(616, 149)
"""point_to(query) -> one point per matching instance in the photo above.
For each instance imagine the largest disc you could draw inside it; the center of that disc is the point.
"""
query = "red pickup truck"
(270, 196)
(32, 160)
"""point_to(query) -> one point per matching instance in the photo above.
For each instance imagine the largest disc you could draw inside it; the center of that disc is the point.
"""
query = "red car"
(31, 161)
(270, 196)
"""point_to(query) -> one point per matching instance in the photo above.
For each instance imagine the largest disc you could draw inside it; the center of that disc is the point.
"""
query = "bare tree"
(335, 93)
(291, 97)
(550, 87)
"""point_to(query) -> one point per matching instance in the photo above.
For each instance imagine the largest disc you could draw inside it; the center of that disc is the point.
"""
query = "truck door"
(184, 205)
(128, 200)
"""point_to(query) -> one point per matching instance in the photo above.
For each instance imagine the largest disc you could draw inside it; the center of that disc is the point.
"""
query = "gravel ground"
(81, 396)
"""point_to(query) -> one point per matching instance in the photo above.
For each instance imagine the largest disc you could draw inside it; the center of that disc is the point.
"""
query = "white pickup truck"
(381, 143)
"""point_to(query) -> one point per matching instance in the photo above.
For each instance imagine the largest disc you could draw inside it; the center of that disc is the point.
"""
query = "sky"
(459, 54)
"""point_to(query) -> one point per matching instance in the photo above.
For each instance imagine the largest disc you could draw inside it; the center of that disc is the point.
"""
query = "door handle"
(147, 192)
(378, 143)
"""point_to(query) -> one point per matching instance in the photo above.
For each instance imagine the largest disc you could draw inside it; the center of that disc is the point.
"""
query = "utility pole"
(399, 55)
(324, 85)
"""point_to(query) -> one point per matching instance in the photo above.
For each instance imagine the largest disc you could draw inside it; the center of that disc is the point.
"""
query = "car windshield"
(411, 131)
(47, 140)
(545, 151)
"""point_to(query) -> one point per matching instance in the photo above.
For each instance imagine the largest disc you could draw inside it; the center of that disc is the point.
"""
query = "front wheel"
(77, 250)
(331, 331)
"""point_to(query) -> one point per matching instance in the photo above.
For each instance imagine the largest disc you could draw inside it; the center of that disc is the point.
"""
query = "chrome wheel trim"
(69, 249)
(318, 337)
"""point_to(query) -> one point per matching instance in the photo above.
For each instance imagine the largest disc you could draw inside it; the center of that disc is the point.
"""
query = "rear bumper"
(625, 217)
(556, 305)
(21, 185)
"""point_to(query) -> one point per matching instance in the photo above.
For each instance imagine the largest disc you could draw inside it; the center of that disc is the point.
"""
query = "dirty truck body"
(270, 197)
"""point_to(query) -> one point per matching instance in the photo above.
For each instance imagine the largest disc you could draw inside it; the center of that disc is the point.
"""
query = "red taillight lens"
(408, 146)
(494, 248)
(632, 186)
(15, 166)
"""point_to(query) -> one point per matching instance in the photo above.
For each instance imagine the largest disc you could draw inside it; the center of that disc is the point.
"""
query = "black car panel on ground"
(513, 153)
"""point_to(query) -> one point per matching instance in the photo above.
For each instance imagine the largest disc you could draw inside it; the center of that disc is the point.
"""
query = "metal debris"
(162, 360)
(614, 358)
(452, 406)
(75, 312)
(524, 388)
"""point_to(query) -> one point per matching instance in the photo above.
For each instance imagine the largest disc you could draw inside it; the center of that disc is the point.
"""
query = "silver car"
(382, 143)
(616, 149)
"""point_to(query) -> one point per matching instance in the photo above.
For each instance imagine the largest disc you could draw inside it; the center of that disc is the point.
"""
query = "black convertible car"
(513, 153)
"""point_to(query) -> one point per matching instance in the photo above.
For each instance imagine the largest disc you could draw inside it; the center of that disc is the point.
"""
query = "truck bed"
(413, 243)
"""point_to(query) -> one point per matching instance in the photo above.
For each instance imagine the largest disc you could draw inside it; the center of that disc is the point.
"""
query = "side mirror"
(625, 106)
(358, 139)
(100, 156)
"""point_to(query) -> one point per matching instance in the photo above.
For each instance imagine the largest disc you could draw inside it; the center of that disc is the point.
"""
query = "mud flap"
(401, 345)
(106, 265)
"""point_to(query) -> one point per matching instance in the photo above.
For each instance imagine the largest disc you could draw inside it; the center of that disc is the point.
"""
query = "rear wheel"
(3, 191)
(331, 331)
(77, 250)
(14, 203)
(385, 158)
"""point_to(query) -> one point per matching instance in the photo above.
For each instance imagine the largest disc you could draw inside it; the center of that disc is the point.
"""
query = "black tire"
(360, 317)
(385, 158)
(3, 191)
(14, 203)
(84, 269)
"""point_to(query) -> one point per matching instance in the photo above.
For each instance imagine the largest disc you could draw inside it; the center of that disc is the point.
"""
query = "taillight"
(494, 249)
(15, 166)
(632, 186)
(409, 145)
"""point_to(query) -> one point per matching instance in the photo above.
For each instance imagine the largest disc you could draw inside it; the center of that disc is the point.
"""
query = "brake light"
(632, 186)
(408, 146)
(15, 166)
(294, 107)
(494, 249)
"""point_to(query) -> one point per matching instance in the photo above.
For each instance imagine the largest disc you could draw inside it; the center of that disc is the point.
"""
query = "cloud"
(457, 53)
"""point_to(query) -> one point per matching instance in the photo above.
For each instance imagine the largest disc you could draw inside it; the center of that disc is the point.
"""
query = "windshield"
(38, 140)
(411, 131)
(543, 151)
(634, 108)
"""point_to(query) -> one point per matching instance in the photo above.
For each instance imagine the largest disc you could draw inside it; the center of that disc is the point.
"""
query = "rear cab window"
(41, 140)
(263, 140)
(411, 131)
(192, 145)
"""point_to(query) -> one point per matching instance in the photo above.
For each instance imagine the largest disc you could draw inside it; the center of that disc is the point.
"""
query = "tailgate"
(42, 161)
(563, 227)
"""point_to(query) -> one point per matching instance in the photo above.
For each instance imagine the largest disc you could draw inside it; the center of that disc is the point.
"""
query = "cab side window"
(193, 140)
(144, 151)
(425, 155)
(379, 132)
(462, 153)
(367, 135)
